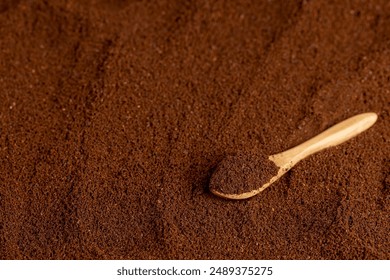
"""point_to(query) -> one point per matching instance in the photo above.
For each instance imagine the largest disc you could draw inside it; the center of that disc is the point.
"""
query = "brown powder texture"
(114, 114)
(242, 173)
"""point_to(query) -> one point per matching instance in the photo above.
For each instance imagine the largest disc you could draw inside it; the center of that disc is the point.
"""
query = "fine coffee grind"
(114, 114)
(242, 173)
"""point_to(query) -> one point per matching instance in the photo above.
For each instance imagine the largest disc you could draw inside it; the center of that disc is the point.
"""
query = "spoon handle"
(333, 136)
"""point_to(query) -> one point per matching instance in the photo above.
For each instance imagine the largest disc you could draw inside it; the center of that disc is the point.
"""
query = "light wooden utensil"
(333, 136)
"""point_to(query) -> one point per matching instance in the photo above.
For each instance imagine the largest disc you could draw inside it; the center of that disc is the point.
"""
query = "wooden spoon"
(284, 161)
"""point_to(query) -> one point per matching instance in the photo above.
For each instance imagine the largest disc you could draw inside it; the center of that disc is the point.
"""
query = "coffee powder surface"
(114, 114)
(242, 172)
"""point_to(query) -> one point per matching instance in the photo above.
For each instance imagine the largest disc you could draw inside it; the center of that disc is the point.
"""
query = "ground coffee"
(242, 173)
(114, 114)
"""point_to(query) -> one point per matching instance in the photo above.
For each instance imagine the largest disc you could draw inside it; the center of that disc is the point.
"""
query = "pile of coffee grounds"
(114, 114)
(242, 172)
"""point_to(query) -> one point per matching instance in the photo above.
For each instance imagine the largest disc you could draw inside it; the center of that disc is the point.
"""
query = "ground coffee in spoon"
(114, 114)
(242, 173)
